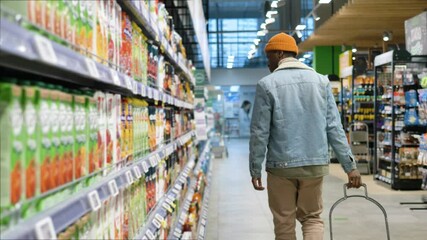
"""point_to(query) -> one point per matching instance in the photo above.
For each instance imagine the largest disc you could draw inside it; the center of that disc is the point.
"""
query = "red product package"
(126, 46)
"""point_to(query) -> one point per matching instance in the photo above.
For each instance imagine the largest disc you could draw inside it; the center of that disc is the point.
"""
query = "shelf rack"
(67, 212)
(390, 60)
(151, 228)
(25, 51)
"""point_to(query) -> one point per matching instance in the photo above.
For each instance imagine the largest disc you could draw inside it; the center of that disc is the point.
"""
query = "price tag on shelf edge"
(135, 87)
(178, 186)
(177, 234)
(170, 202)
(129, 82)
(143, 90)
(112, 186)
(115, 77)
(182, 219)
(44, 229)
(156, 223)
(158, 157)
(167, 207)
(45, 49)
(176, 191)
(94, 201)
(145, 167)
(153, 160)
(149, 234)
(149, 92)
(129, 177)
(203, 221)
(202, 231)
(159, 217)
(91, 67)
(137, 172)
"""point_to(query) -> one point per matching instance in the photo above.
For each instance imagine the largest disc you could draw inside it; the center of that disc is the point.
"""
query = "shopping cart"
(358, 196)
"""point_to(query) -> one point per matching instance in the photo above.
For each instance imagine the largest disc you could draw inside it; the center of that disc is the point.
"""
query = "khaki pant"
(291, 199)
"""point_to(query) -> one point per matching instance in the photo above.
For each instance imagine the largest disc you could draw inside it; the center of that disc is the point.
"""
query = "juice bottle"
(74, 22)
(67, 139)
(125, 139)
(12, 147)
(111, 131)
(32, 145)
(145, 128)
(111, 18)
(47, 177)
(129, 127)
(102, 128)
(90, 27)
(152, 128)
(92, 134)
(126, 44)
(82, 27)
(144, 59)
(55, 135)
(136, 51)
(80, 140)
(118, 130)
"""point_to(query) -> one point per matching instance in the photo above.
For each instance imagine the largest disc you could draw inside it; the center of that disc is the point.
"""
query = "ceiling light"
(354, 58)
(301, 59)
(324, 1)
(387, 36)
(307, 55)
(269, 20)
(263, 26)
(354, 49)
(261, 33)
(256, 41)
(315, 16)
(219, 97)
(231, 57)
(271, 13)
(274, 4)
(229, 65)
(299, 34)
(217, 87)
(300, 27)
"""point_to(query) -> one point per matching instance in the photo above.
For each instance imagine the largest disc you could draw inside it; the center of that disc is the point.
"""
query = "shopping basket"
(358, 196)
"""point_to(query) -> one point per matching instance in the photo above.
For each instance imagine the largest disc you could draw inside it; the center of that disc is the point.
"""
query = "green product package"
(32, 145)
(11, 149)
(80, 138)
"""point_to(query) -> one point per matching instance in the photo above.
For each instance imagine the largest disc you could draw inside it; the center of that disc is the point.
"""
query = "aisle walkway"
(238, 212)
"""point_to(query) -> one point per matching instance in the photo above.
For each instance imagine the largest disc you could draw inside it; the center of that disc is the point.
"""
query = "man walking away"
(294, 119)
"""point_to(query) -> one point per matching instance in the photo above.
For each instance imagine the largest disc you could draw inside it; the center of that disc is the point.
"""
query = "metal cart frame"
(358, 196)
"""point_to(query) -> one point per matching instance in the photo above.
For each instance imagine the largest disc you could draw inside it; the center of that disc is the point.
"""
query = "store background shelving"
(397, 162)
(31, 51)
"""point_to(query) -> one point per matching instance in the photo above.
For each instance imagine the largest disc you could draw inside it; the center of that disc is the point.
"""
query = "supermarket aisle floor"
(236, 211)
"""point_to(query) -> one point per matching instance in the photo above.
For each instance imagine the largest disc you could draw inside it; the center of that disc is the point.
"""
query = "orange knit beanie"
(282, 42)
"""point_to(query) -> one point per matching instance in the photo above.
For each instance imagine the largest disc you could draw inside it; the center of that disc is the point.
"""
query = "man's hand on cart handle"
(354, 179)
(257, 182)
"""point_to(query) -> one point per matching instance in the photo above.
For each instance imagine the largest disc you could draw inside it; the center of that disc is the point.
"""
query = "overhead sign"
(416, 34)
(345, 60)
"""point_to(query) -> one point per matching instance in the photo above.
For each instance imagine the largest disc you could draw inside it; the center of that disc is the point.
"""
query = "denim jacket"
(294, 118)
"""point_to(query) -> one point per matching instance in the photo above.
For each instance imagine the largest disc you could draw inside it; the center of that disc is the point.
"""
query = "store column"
(326, 59)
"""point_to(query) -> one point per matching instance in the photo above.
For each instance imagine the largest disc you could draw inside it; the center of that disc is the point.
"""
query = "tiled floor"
(237, 211)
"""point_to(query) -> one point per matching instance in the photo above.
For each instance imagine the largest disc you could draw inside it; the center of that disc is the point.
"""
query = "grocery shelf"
(26, 51)
(383, 179)
(147, 23)
(201, 227)
(160, 211)
(89, 199)
(151, 227)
